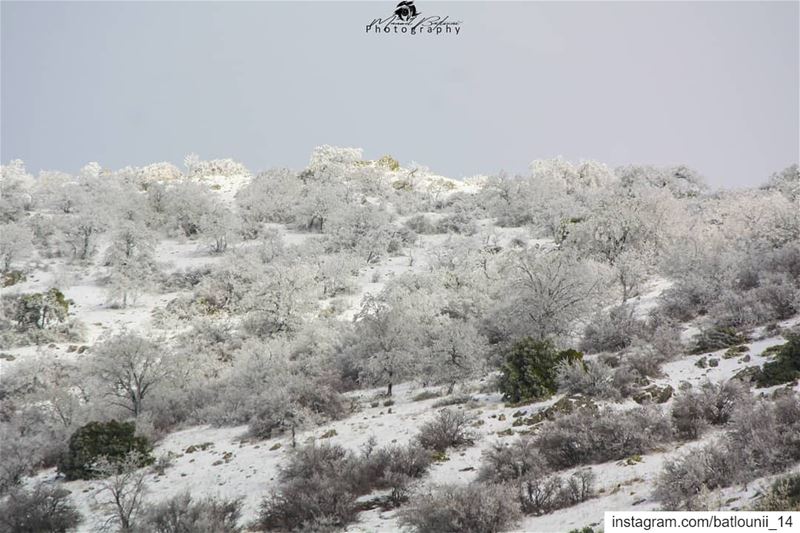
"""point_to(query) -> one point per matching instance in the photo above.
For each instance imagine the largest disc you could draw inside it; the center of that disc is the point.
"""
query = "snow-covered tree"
(15, 191)
(545, 293)
(365, 231)
(130, 260)
(127, 367)
(198, 168)
(16, 243)
(220, 227)
(271, 196)
(787, 181)
(187, 203)
(680, 181)
(387, 335)
(456, 351)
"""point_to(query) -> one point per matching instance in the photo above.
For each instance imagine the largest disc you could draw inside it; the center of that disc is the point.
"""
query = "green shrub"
(41, 309)
(530, 370)
(112, 440)
(786, 366)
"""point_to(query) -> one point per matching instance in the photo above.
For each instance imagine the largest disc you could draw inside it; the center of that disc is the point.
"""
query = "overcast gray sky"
(712, 85)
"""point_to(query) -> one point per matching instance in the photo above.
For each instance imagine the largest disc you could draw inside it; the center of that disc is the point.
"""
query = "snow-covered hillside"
(239, 318)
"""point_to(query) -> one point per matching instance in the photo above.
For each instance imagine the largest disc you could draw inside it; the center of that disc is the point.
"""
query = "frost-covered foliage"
(787, 182)
(196, 167)
(412, 329)
(259, 301)
(320, 484)
(43, 509)
(15, 191)
(456, 508)
(15, 243)
(584, 437)
(542, 495)
(594, 379)
(543, 294)
(710, 404)
(448, 429)
(502, 462)
(740, 265)
(272, 392)
(763, 438)
(183, 513)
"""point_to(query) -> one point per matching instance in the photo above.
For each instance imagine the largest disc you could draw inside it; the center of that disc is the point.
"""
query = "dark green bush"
(530, 370)
(112, 440)
(786, 366)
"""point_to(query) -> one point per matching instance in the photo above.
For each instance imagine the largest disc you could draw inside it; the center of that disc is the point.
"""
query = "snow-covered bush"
(272, 196)
(787, 181)
(542, 495)
(507, 462)
(155, 172)
(680, 181)
(182, 513)
(37, 318)
(43, 509)
(272, 392)
(186, 203)
(594, 379)
(456, 508)
(682, 481)
(450, 428)
(458, 222)
(363, 231)
(319, 485)
(422, 224)
(711, 404)
(584, 437)
(198, 168)
(612, 331)
(763, 438)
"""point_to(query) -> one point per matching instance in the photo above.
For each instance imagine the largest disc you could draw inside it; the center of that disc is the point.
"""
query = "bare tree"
(123, 484)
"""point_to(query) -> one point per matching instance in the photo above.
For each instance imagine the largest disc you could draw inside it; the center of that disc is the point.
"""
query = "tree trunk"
(389, 389)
